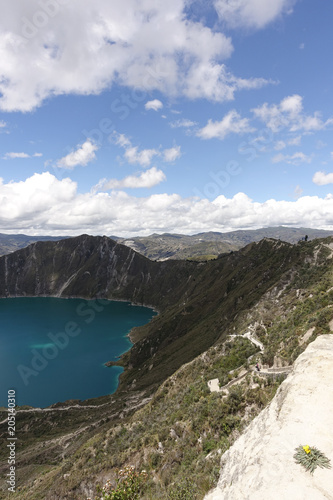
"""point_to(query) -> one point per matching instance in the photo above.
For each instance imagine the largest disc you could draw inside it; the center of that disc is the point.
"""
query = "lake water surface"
(54, 349)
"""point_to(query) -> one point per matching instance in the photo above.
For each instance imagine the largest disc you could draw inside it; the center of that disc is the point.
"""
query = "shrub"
(310, 458)
(185, 490)
(129, 485)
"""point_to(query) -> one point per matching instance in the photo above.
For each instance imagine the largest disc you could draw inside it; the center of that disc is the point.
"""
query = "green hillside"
(163, 417)
(205, 246)
(11, 242)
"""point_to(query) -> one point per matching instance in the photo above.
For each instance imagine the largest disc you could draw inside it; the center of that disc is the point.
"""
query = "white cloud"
(280, 145)
(321, 178)
(144, 45)
(232, 123)
(3, 124)
(146, 179)
(184, 122)
(12, 156)
(132, 153)
(320, 144)
(294, 159)
(252, 13)
(295, 141)
(154, 105)
(298, 191)
(211, 81)
(144, 157)
(43, 204)
(121, 140)
(289, 114)
(172, 154)
(83, 155)
(292, 105)
(28, 202)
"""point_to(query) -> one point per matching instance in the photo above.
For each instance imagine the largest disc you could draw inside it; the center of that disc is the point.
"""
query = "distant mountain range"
(202, 246)
(11, 242)
(206, 246)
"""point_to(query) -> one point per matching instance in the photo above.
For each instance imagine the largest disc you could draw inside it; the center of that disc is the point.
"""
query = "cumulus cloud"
(144, 157)
(280, 145)
(289, 114)
(132, 153)
(232, 123)
(294, 159)
(294, 141)
(83, 155)
(42, 204)
(28, 200)
(172, 154)
(252, 13)
(146, 179)
(208, 80)
(184, 122)
(13, 156)
(3, 124)
(154, 105)
(144, 45)
(321, 178)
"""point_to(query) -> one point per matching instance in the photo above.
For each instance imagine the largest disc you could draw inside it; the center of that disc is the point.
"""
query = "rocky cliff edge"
(260, 464)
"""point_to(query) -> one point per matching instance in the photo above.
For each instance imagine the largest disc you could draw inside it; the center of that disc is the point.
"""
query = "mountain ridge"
(187, 294)
(201, 246)
(163, 416)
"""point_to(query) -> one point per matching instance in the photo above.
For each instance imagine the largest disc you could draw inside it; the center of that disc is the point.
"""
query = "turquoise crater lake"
(54, 349)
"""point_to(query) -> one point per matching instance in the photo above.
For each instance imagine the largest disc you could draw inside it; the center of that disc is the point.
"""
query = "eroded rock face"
(260, 464)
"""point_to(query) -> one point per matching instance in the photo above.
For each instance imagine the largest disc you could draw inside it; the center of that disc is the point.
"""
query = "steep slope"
(197, 301)
(260, 464)
(88, 266)
(173, 427)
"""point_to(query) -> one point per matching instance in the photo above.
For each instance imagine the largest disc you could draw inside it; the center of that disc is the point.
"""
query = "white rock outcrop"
(260, 464)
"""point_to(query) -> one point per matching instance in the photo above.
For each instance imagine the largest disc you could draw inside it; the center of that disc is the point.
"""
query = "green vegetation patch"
(311, 458)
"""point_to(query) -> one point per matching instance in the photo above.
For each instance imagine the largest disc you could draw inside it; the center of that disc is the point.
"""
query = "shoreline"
(150, 306)
(130, 302)
(129, 335)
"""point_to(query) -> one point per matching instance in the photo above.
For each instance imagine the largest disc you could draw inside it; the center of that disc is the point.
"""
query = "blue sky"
(136, 117)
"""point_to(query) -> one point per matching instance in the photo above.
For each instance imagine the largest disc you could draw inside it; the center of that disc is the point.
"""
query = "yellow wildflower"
(307, 449)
